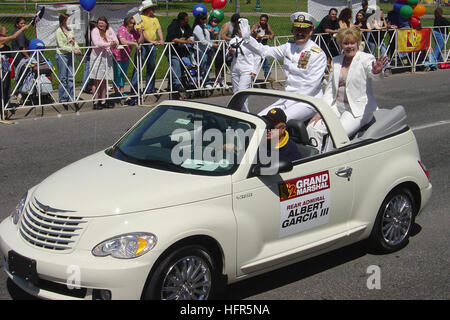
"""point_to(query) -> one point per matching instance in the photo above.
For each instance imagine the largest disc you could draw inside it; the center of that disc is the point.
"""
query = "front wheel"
(393, 224)
(188, 273)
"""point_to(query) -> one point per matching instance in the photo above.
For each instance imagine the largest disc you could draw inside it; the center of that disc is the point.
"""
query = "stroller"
(29, 75)
(190, 76)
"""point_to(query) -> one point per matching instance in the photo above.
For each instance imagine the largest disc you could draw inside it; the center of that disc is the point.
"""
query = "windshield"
(186, 140)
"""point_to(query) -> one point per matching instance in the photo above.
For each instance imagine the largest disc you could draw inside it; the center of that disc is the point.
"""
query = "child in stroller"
(191, 77)
(31, 73)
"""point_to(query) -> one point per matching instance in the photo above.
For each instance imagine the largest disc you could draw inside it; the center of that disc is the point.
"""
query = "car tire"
(188, 273)
(394, 221)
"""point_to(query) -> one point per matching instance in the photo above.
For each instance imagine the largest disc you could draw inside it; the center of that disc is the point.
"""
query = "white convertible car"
(172, 212)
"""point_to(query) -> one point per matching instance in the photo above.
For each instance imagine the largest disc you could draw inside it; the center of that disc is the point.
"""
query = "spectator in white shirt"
(203, 45)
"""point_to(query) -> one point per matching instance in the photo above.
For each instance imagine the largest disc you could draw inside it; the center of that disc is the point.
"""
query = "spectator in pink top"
(129, 38)
(101, 65)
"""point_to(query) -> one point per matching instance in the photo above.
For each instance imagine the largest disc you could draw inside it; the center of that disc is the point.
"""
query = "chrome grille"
(49, 228)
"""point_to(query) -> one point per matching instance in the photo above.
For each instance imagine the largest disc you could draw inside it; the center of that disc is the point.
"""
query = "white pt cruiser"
(171, 212)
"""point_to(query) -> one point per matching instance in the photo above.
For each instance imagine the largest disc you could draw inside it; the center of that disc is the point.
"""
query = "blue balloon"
(398, 6)
(88, 5)
(36, 44)
(199, 8)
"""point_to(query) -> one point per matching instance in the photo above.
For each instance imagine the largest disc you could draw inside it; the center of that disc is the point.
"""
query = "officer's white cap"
(303, 20)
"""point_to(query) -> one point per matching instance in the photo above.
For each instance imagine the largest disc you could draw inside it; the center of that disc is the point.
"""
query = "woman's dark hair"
(198, 21)
(62, 19)
(264, 16)
(364, 20)
(235, 18)
(103, 33)
(438, 12)
(345, 15)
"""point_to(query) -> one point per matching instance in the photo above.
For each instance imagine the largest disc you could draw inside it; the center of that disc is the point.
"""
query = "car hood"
(100, 185)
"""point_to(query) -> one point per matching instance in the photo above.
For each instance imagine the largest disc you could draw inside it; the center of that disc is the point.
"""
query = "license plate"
(22, 267)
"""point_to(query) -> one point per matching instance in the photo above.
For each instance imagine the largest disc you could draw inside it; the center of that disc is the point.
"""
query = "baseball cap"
(275, 116)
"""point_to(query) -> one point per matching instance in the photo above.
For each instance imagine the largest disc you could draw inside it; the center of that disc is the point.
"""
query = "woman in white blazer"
(349, 90)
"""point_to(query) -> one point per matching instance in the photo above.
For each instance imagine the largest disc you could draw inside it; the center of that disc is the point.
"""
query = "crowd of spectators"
(110, 58)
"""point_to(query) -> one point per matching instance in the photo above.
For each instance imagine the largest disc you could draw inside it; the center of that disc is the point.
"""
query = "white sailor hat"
(303, 20)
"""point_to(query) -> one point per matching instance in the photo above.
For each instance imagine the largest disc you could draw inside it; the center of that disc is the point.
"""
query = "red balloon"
(218, 4)
(414, 22)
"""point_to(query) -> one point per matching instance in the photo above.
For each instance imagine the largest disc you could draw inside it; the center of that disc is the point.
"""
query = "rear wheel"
(393, 224)
(188, 273)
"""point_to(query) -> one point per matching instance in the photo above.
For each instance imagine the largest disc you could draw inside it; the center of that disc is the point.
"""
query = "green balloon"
(406, 11)
(412, 3)
(218, 14)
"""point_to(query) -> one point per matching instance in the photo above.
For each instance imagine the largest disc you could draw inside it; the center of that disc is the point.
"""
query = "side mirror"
(273, 168)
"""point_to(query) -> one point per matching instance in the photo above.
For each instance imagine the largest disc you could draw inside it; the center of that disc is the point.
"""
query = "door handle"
(344, 173)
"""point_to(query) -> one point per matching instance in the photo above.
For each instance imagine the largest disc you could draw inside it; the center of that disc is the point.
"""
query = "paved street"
(31, 149)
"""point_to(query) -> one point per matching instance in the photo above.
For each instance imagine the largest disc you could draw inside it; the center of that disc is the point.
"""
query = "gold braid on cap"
(301, 22)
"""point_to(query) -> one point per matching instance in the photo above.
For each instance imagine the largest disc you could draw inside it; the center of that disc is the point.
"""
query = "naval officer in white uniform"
(304, 64)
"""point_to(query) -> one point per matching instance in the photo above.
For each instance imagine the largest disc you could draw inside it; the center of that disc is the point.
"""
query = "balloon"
(36, 44)
(218, 4)
(199, 8)
(406, 12)
(419, 10)
(398, 6)
(414, 22)
(87, 5)
(218, 14)
(412, 3)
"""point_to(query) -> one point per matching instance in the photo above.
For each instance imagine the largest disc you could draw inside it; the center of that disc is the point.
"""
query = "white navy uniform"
(243, 64)
(304, 66)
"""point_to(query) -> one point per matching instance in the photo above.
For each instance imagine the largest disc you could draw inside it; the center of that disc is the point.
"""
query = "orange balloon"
(419, 10)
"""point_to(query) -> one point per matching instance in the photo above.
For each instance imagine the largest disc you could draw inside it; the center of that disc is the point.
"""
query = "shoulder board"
(316, 49)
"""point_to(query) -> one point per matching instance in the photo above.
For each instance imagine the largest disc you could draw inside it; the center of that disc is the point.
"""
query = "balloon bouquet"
(410, 10)
(217, 6)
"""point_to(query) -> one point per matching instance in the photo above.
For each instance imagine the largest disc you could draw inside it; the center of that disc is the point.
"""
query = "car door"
(283, 217)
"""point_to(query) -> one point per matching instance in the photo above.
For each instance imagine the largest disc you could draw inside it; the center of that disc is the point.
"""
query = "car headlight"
(127, 246)
(15, 215)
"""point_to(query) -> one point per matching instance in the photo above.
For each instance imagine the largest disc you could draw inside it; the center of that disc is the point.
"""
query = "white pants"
(293, 109)
(241, 81)
(350, 123)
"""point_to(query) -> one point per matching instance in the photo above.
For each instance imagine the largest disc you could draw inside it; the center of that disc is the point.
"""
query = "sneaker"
(132, 102)
(208, 86)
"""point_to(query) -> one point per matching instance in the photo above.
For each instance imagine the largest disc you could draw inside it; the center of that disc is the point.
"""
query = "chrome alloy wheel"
(187, 279)
(397, 219)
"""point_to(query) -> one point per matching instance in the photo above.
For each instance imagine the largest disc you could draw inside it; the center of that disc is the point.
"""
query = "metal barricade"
(153, 65)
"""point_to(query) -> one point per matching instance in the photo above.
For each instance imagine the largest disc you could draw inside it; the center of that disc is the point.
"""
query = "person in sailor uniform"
(304, 64)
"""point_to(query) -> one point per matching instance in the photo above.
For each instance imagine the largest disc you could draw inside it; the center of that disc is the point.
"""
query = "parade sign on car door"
(304, 203)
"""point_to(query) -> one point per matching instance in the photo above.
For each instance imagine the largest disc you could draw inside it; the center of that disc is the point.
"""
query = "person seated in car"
(276, 129)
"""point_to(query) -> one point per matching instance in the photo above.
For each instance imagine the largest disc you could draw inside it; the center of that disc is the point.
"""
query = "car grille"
(49, 228)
